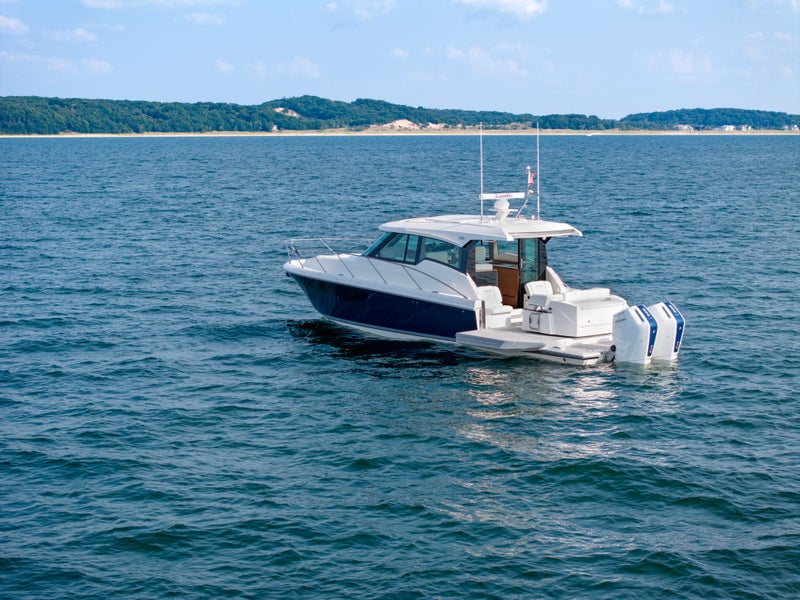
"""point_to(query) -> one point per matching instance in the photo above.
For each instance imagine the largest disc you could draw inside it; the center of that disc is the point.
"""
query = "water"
(177, 421)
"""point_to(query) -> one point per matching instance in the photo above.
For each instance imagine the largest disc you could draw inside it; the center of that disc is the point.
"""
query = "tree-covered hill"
(37, 115)
(699, 118)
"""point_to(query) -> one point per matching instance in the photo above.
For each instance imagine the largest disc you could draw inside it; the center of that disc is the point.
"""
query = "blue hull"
(386, 311)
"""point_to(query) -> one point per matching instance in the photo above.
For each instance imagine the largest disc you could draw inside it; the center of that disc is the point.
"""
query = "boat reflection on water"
(348, 343)
(550, 415)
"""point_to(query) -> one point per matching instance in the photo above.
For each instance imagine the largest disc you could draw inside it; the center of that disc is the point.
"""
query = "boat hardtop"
(460, 229)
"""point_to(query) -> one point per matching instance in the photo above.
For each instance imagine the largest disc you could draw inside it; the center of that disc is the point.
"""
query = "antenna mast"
(480, 129)
(539, 176)
(531, 178)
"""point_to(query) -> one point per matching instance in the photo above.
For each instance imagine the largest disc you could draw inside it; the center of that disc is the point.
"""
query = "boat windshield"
(413, 249)
(377, 244)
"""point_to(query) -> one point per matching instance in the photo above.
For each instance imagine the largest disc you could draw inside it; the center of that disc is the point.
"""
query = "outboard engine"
(670, 331)
(634, 335)
(642, 334)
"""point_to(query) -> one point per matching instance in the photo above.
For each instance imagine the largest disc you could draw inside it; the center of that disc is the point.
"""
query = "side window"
(411, 249)
(439, 251)
(506, 252)
(530, 260)
(481, 256)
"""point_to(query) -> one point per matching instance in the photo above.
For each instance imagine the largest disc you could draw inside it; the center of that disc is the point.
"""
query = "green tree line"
(38, 115)
(700, 118)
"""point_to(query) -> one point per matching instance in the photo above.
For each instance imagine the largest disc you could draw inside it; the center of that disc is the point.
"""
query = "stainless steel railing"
(309, 248)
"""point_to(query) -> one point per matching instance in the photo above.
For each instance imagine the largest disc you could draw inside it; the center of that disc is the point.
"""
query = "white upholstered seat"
(493, 300)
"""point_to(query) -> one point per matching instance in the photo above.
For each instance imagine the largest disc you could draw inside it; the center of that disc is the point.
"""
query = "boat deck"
(512, 341)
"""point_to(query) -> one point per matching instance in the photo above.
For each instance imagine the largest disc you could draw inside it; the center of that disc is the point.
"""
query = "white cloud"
(363, 10)
(52, 64)
(481, 60)
(454, 53)
(72, 35)
(167, 4)
(205, 19)
(259, 68)
(112, 28)
(399, 53)
(224, 67)
(782, 36)
(13, 26)
(96, 66)
(647, 7)
(769, 49)
(366, 9)
(686, 63)
(299, 68)
(104, 4)
(519, 8)
(45, 63)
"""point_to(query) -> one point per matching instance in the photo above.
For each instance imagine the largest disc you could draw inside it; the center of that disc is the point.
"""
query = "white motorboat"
(482, 281)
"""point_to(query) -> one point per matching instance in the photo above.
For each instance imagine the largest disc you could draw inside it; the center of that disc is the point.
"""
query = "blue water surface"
(176, 421)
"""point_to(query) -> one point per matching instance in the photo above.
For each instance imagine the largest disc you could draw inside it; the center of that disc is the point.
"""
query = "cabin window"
(439, 251)
(479, 264)
(482, 255)
(529, 265)
(506, 252)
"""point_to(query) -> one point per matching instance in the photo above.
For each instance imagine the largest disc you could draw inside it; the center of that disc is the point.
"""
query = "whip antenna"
(538, 179)
(480, 130)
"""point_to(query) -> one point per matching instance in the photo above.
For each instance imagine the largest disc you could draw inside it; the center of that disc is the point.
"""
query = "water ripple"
(177, 422)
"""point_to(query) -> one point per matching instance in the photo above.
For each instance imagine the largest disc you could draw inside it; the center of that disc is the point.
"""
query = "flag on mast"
(531, 178)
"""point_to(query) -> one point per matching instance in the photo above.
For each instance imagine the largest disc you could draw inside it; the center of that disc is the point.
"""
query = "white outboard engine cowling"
(642, 334)
(670, 330)
(634, 335)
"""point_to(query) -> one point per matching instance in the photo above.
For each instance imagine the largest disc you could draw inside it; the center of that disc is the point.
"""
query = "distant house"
(684, 128)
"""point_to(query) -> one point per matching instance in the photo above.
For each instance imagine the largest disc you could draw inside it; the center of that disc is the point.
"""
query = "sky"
(608, 58)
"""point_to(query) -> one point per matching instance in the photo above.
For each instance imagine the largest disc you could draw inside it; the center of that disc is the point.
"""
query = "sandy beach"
(376, 131)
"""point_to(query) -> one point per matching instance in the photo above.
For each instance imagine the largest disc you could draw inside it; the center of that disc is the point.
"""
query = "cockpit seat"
(557, 309)
(540, 293)
(537, 293)
(496, 314)
(493, 299)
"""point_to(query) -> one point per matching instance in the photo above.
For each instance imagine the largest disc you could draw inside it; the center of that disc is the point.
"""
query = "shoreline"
(396, 132)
